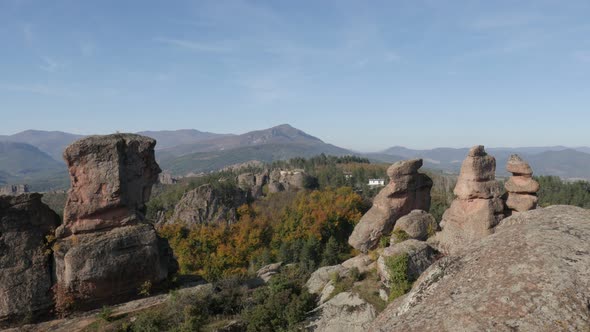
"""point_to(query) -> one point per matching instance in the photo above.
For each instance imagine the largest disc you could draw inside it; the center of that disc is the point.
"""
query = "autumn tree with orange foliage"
(282, 226)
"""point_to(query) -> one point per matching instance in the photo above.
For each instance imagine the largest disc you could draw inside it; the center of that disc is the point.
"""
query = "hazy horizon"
(362, 76)
(354, 150)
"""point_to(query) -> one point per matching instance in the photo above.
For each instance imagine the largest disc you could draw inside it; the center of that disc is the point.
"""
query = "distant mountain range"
(34, 156)
(569, 163)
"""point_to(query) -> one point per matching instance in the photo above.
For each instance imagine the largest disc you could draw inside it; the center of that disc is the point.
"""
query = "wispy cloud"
(37, 89)
(196, 46)
(49, 64)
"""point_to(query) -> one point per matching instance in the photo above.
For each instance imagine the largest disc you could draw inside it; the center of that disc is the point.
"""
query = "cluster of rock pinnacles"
(478, 207)
(104, 249)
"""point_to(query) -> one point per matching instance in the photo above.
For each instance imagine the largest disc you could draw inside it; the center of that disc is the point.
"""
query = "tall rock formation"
(407, 190)
(532, 274)
(25, 264)
(521, 188)
(104, 249)
(477, 207)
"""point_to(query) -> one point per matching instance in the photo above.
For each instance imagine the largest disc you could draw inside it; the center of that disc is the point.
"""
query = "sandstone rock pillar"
(521, 188)
(105, 250)
(407, 190)
(477, 207)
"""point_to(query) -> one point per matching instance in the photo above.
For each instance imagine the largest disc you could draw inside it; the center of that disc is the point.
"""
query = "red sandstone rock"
(407, 190)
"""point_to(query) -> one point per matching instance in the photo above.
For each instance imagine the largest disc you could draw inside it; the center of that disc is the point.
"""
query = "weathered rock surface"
(344, 312)
(104, 250)
(207, 205)
(516, 165)
(111, 180)
(253, 183)
(320, 277)
(521, 202)
(478, 206)
(521, 187)
(166, 178)
(25, 267)
(532, 274)
(104, 266)
(418, 224)
(420, 257)
(288, 180)
(362, 262)
(266, 272)
(407, 190)
(477, 176)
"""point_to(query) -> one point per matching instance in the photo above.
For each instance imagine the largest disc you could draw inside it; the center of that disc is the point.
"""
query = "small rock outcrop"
(208, 205)
(266, 272)
(288, 180)
(166, 178)
(344, 312)
(25, 261)
(477, 207)
(253, 183)
(418, 225)
(105, 250)
(419, 255)
(407, 190)
(532, 274)
(521, 188)
(320, 277)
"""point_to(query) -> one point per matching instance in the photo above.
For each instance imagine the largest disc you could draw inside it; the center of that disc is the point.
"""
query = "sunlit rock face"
(407, 190)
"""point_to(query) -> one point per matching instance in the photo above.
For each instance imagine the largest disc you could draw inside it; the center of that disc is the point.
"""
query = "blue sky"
(359, 74)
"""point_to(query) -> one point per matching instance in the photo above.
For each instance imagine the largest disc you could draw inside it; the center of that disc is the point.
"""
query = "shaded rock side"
(532, 274)
(25, 264)
(105, 251)
(207, 205)
(111, 180)
(407, 190)
(108, 266)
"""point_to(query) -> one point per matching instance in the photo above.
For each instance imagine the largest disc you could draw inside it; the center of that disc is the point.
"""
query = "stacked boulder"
(407, 190)
(418, 225)
(104, 249)
(477, 207)
(521, 188)
(25, 260)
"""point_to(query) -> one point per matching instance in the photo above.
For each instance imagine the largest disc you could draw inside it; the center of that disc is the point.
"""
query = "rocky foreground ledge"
(532, 274)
